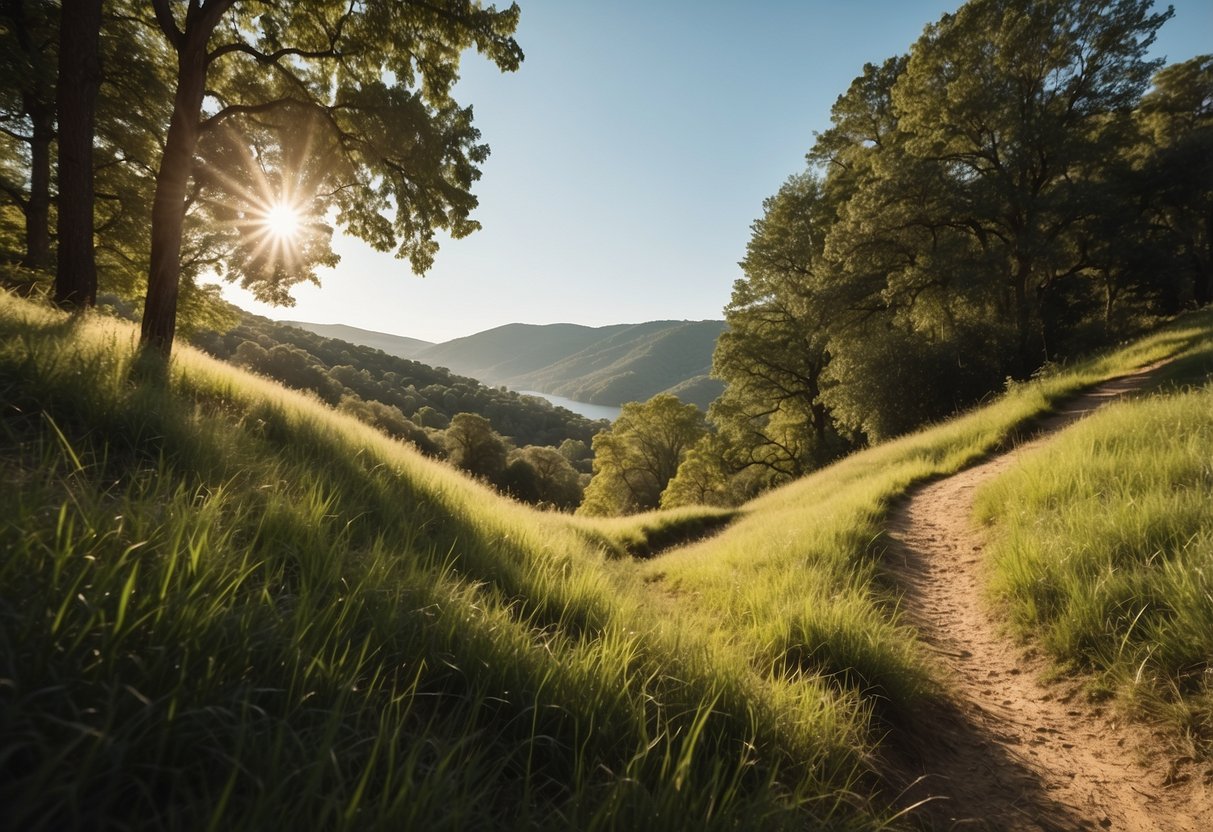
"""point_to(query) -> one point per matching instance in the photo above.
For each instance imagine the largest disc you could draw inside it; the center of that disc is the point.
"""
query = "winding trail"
(1008, 750)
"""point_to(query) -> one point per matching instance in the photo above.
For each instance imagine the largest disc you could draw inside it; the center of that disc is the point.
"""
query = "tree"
(579, 454)
(707, 478)
(79, 80)
(774, 352)
(474, 446)
(1011, 109)
(971, 181)
(635, 460)
(28, 57)
(1176, 174)
(540, 474)
(353, 101)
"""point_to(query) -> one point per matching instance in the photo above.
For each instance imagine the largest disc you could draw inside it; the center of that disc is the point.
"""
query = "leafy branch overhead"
(342, 110)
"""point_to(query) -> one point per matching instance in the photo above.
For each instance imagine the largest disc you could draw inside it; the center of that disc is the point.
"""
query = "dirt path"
(1008, 750)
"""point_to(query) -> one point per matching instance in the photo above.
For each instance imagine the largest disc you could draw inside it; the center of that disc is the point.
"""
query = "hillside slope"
(636, 364)
(397, 345)
(608, 365)
(343, 373)
(225, 605)
(501, 354)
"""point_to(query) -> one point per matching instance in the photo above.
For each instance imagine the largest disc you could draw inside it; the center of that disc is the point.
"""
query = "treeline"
(522, 445)
(1022, 186)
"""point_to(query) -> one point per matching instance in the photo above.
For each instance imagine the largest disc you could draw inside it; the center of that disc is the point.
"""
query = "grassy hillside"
(799, 579)
(224, 605)
(397, 345)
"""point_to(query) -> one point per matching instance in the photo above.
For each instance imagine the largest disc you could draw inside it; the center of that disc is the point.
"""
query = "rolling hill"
(607, 365)
(225, 605)
(397, 345)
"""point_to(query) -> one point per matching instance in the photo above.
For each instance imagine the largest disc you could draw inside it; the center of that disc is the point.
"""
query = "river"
(590, 411)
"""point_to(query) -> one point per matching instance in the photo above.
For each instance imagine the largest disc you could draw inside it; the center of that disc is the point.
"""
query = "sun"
(283, 221)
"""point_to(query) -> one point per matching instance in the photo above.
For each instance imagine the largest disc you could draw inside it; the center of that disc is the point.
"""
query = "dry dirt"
(1010, 749)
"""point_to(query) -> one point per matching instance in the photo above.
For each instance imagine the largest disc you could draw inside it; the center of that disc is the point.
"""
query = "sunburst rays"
(269, 198)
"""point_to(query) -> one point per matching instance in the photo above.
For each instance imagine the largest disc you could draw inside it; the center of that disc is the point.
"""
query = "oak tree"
(332, 108)
(635, 460)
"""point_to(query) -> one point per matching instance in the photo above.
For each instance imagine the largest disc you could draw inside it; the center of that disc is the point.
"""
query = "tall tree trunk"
(29, 23)
(1203, 282)
(79, 77)
(1028, 347)
(37, 209)
(168, 209)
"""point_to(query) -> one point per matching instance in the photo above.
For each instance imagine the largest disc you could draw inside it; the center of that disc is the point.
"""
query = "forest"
(1021, 187)
(523, 445)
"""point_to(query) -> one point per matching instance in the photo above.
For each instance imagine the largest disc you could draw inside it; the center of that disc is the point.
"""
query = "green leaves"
(635, 460)
(972, 214)
(335, 109)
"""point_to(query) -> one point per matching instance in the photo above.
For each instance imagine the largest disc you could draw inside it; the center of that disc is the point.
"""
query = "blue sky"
(630, 154)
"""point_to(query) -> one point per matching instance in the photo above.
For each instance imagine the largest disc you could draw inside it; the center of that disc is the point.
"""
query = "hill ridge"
(605, 365)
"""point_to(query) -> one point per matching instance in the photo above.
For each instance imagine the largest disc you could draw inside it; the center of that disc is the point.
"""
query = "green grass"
(799, 584)
(1104, 549)
(223, 605)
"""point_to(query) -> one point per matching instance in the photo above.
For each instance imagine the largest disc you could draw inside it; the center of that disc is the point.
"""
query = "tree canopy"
(635, 460)
(1021, 185)
(329, 109)
(184, 128)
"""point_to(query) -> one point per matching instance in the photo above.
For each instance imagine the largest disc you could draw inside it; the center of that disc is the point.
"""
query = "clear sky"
(630, 154)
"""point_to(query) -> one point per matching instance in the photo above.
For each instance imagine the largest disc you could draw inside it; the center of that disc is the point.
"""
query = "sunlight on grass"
(798, 581)
(229, 606)
(1104, 549)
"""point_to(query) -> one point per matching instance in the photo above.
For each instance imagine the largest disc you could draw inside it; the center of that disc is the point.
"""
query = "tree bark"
(1028, 348)
(172, 181)
(37, 209)
(79, 77)
(28, 22)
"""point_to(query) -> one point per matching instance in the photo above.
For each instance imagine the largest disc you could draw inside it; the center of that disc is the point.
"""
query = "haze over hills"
(397, 345)
(608, 365)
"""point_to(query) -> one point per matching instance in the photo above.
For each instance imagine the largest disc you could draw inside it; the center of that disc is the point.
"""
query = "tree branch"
(164, 18)
(15, 194)
(269, 58)
(232, 110)
(12, 134)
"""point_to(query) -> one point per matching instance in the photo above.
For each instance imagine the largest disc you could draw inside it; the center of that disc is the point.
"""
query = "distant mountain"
(607, 365)
(396, 345)
(498, 355)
